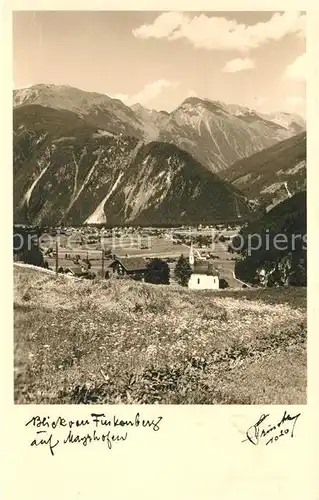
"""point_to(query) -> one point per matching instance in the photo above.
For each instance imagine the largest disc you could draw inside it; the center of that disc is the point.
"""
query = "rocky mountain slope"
(214, 133)
(262, 176)
(68, 170)
(291, 121)
(266, 261)
(96, 109)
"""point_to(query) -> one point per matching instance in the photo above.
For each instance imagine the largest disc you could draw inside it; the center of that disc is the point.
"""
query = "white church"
(204, 275)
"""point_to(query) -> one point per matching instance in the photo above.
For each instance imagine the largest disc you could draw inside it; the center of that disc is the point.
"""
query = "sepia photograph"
(159, 207)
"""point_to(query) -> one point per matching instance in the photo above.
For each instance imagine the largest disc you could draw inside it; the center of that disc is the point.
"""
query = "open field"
(125, 245)
(136, 244)
(125, 342)
(130, 247)
(134, 247)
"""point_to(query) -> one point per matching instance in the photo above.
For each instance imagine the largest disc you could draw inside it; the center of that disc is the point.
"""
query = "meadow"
(119, 341)
(146, 247)
(132, 247)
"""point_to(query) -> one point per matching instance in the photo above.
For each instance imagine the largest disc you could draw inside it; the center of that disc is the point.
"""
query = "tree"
(31, 256)
(298, 275)
(157, 272)
(183, 271)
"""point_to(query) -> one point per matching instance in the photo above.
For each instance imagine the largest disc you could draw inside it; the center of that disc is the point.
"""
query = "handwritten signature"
(263, 431)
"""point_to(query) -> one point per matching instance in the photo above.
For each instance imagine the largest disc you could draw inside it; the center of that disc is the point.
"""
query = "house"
(135, 267)
(204, 275)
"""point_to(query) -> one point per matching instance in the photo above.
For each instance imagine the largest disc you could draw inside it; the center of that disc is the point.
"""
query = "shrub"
(157, 272)
(33, 256)
(223, 283)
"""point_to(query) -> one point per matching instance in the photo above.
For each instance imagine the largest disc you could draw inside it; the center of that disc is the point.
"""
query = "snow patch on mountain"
(296, 168)
(272, 188)
(101, 133)
(61, 139)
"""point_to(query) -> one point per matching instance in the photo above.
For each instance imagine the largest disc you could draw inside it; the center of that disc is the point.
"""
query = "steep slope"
(68, 171)
(269, 260)
(177, 188)
(262, 176)
(153, 121)
(214, 133)
(97, 109)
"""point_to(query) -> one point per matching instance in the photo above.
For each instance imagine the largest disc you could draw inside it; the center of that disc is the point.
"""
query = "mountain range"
(214, 133)
(82, 157)
(66, 170)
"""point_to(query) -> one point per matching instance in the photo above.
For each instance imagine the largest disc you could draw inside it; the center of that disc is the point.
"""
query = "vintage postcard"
(162, 317)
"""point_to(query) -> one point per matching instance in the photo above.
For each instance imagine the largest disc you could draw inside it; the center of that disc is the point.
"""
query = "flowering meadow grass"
(125, 342)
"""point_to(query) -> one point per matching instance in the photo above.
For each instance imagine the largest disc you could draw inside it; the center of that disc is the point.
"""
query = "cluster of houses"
(96, 233)
(133, 267)
(204, 275)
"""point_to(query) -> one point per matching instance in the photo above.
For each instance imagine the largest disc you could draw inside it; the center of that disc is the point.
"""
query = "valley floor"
(126, 342)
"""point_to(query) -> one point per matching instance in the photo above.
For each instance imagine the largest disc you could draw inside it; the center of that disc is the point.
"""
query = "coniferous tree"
(183, 271)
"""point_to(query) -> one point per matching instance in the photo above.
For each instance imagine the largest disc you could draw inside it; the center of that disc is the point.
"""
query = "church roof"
(201, 266)
(205, 267)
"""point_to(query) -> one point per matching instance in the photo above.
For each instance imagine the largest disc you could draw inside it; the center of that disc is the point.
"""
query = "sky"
(256, 59)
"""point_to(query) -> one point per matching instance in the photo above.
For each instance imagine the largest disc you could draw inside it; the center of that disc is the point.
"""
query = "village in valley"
(97, 253)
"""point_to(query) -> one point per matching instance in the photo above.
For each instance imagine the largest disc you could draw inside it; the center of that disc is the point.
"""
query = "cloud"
(149, 92)
(239, 64)
(163, 26)
(297, 69)
(191, 93)
(121, 97)
(219, 33)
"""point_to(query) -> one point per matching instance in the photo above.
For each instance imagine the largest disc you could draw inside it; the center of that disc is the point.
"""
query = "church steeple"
(191, 257)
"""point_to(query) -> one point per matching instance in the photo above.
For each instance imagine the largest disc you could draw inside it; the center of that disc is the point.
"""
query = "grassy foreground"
(127, 342)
